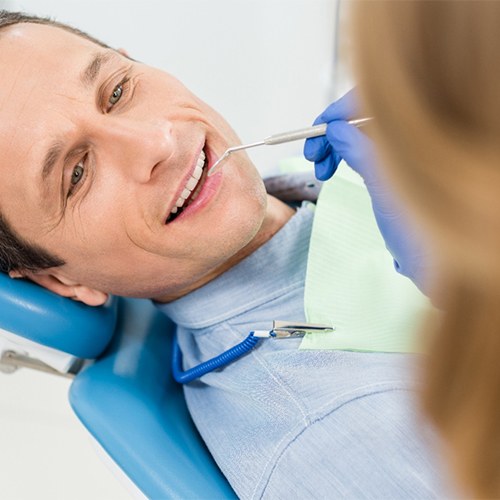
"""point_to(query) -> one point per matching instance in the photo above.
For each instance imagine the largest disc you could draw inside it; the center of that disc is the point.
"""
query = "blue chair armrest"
(130, 403)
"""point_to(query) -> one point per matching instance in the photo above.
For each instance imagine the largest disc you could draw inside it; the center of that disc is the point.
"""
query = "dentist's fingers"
(323, 151)
(317, 148)
(354, 147)
(326, 160)
(326, 168)
(344, 108)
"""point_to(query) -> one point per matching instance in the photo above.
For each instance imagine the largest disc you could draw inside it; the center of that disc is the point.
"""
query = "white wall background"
(267, 66)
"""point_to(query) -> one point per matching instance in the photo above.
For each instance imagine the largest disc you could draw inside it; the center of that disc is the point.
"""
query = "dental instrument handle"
(306, 133)
(293, 135)
(296, 135)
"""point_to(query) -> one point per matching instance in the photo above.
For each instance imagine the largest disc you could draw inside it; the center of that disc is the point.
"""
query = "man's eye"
(77, 174)
(116, 95)
(119, 92)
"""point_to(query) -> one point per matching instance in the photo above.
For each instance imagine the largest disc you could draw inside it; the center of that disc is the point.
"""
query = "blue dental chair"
(122, 391)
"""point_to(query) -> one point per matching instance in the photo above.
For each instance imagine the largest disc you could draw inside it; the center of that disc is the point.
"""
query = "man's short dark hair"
(17, 254)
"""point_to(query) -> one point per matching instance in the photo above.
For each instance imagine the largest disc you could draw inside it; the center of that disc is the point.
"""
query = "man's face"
(96, 151)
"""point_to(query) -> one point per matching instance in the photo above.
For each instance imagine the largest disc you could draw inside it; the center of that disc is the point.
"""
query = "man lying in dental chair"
(105, 191)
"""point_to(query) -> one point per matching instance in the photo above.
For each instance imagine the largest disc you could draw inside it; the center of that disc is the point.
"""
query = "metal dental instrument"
(294, 135)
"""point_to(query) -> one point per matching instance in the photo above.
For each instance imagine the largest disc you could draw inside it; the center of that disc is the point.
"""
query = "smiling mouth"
(192, 188)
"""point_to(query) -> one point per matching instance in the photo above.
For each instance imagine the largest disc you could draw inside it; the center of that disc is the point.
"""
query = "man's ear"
(123, 52)
(64, 287)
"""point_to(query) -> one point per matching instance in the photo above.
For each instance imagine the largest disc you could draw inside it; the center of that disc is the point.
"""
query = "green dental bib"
(351, 282)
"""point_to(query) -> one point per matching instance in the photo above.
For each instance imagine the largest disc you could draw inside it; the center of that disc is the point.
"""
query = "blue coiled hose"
(183, 377)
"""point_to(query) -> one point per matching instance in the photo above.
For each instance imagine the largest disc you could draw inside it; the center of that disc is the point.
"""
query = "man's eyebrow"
(89, 75)
(51, 159)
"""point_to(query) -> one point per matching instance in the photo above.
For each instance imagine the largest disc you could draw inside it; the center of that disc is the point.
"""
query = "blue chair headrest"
(37, 314)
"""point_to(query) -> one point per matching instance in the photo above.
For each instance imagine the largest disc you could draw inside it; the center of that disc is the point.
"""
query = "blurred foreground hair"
(429, 72)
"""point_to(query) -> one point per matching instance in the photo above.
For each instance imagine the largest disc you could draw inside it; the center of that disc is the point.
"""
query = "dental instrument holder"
(280, 330)
(294, 135)
(288, 330)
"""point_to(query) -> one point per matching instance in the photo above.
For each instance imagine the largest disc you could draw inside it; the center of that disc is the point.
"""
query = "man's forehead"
(42, 40)
(34, 67)
(40, 62)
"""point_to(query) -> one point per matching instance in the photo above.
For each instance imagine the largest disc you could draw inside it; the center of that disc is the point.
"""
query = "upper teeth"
(191, 183)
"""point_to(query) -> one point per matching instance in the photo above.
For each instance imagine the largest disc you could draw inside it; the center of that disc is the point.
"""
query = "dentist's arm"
(344, 141)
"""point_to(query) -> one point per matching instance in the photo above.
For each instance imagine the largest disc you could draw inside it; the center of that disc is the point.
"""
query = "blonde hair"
(429, 71)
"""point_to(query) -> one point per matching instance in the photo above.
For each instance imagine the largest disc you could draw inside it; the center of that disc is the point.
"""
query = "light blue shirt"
(284, 423)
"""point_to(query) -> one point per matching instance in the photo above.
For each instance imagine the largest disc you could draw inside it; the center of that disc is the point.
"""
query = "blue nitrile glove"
(345, 141)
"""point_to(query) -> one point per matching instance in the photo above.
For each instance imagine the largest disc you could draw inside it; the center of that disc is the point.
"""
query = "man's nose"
(136, 147)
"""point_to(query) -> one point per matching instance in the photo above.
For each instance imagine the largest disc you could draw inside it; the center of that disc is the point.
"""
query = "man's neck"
(277, 215)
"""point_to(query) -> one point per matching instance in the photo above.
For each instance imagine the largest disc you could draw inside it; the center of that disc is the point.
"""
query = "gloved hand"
(345, 141)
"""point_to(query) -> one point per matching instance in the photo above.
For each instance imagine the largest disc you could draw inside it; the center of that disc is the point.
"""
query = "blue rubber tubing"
(184, 377)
